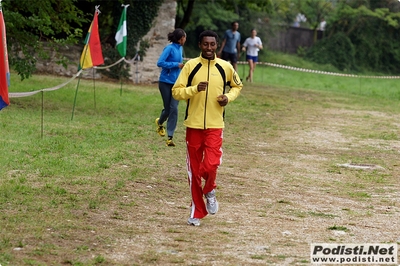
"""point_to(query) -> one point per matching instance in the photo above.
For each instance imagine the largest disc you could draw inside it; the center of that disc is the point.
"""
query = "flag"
(4, 69)
(121, 35)
(92, 54)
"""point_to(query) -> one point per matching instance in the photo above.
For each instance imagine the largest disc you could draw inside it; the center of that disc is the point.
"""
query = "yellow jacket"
(202, 110)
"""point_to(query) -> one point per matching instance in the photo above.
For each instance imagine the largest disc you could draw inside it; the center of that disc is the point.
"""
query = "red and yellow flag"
(4, 69)
(92, 54)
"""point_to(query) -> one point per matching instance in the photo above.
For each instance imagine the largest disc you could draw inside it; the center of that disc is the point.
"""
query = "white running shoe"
(212, 203)
(194, 221)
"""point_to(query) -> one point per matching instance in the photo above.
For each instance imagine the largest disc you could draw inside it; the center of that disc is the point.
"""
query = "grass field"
(103, 189)
(388, 88)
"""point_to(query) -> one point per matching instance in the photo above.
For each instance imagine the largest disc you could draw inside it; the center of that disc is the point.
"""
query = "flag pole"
(81, 64)
(93, 32)
(76, 93)
(137, 67)
(121, 40)
(94, 87)
(41, 135)
(94, 70)
(120, 76)
(120, 80)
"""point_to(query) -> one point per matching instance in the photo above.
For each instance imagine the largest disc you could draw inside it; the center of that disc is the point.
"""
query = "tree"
(34, 26)
(139, 21)
(28, 25)
(372, 34)
(187, 9)
(315, 11)
(196, 16)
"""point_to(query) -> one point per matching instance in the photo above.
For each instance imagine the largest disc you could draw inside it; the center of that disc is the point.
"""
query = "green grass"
(294, 61)
(386, 88)
(370, 87)
(71, 190)
(338, 228)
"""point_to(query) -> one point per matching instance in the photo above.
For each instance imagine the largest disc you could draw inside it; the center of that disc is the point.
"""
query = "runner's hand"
(222, 100)
(202, 86)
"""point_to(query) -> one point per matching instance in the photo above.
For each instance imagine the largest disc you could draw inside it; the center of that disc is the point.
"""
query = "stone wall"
(148, 72)
(145, 71)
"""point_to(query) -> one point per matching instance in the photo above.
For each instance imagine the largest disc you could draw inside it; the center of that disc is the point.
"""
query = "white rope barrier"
(132, 60)
(105, 67)
(30, 93)
(26, 94)
(321, 72)
(316, 71)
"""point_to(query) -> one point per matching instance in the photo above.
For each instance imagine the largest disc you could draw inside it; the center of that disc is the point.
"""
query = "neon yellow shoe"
(170, 143)
(160, 128)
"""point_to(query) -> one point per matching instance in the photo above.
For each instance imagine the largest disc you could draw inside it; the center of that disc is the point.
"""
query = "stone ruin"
(144, 71)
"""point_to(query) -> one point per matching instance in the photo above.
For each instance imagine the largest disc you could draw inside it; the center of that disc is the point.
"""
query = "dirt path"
(280, 187)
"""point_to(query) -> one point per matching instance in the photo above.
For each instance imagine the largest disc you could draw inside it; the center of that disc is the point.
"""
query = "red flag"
(92, 54)
(4, 69)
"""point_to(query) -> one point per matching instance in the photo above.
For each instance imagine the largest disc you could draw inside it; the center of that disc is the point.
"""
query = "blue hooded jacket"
(169, 61)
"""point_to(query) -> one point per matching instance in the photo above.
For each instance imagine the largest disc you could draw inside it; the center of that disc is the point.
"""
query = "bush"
(337, 51)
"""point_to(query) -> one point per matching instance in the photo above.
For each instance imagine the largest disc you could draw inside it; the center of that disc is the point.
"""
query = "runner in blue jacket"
(171, 62)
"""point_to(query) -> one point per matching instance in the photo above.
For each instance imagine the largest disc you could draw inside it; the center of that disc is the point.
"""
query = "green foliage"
(315, 10)
(284, 11)
(371, 37)
(29, 24)
(301, 51)
(207, 16)
(218, 16)
(139, 19)
(337, 50)
(62, 22)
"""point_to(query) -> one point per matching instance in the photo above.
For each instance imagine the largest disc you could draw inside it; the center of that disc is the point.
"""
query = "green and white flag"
(121, 35)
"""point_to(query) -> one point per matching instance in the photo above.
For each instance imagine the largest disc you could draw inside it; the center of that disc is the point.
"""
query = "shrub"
(337, 51)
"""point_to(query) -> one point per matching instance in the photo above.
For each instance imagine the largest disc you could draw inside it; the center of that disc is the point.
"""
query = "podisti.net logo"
(324, 253)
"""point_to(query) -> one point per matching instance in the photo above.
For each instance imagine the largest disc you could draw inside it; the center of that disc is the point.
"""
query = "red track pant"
(204, 155)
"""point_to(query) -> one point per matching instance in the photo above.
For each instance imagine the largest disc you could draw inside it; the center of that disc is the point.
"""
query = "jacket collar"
(206, 61)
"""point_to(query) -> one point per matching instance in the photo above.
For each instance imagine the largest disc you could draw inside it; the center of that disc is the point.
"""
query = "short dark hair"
(233, 23)
(176, 35)
(208, 33)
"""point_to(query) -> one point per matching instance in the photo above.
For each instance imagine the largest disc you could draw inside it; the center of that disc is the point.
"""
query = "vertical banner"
(92, 54)
(4, 69)
(122, 33)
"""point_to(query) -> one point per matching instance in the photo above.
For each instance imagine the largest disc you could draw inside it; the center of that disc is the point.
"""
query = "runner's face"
(235, 26)
(208, 45)
(182, 40)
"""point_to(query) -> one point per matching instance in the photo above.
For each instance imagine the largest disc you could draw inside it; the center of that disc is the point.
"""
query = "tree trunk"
(187, 13)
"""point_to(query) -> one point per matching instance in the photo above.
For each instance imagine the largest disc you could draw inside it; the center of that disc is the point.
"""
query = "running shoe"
(212, 203)
(160, 128)
(193, 221)
(170, 143)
